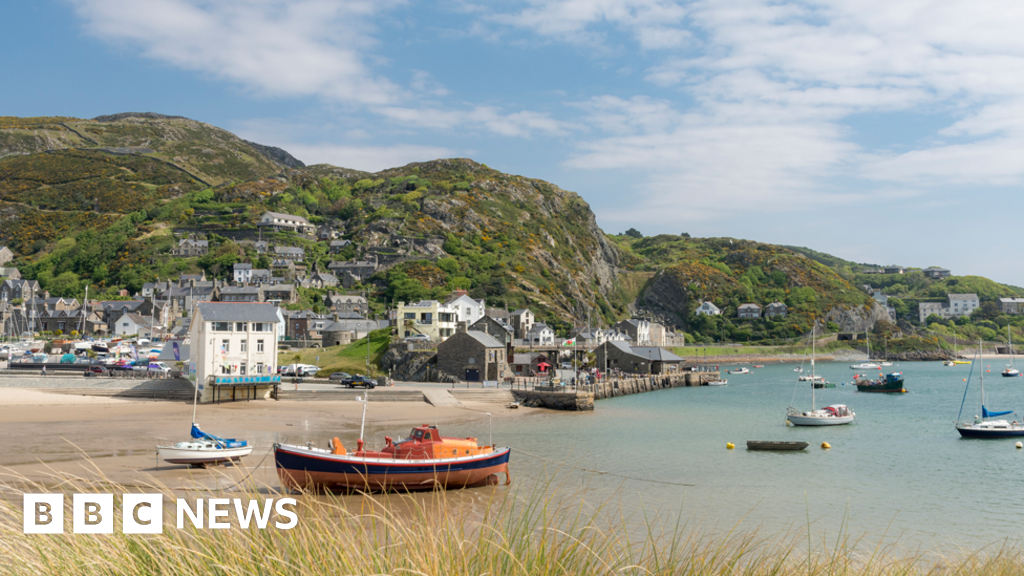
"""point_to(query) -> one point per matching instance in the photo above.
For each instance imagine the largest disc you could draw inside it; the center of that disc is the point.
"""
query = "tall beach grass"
(517, 532)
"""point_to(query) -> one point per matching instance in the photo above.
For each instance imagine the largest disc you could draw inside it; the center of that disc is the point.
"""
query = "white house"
(279, 222)
(428, 317)
(242, 273)
(467, 309)
(955, 305)
(522, 321)
(541, 335)
(132, 324)
(233, 346)
(708, 309)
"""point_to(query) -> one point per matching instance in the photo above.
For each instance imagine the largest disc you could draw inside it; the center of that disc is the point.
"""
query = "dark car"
(359, 380)
(342, 376)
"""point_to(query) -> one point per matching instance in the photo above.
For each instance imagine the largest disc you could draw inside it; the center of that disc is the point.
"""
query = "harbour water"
(900, 473)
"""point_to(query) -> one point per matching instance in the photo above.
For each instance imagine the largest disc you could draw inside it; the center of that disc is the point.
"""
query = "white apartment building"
(233, 345)
(955, 305)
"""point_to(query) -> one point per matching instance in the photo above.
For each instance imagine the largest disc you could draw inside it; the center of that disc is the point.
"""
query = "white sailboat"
(983, 427)
(869, 365)
(833, 415)
(1011, 368)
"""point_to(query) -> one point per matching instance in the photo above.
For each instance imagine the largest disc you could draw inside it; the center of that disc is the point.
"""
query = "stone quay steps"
(486, 395)
(346, 395)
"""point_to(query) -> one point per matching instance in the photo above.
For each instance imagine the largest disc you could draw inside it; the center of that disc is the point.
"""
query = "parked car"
(97, 369)
(306, 370)
(567, 366)
(159, 367)
(359, 380)
(289, 370)
(417, 338)
(340, 376)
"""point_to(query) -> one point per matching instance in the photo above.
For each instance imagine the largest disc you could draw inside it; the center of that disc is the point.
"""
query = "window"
(410, 316)
(245, 346)
(259, 368)
(240, 327)
(225, 346)
(259, 345)
(222, 326)
(241, 368)
(225, 369)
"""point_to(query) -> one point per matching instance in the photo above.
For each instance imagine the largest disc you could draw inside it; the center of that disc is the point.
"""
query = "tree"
(633, 232)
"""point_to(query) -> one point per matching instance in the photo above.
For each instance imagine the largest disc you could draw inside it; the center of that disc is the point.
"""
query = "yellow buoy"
(1020, 444)
(826, 445)
(729, 445)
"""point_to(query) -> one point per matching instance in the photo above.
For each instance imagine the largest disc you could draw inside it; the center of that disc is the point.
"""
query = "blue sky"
(876, 131)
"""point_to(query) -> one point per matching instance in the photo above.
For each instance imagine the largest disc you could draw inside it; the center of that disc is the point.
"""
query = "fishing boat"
(833, 415)
(716, 383)
(865, 366)
(983, 427)
(892, 383)
(1011, 368)
(775, 445)
(822, 384)
(743, 370)
(424, 460)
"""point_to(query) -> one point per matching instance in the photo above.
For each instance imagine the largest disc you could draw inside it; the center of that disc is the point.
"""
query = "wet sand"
(50, 434)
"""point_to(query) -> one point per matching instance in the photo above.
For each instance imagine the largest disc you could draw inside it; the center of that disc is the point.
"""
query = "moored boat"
(204, 449)
(775, 445)
(890, 383)
(743, 370)
(423, 461)
(983, 427)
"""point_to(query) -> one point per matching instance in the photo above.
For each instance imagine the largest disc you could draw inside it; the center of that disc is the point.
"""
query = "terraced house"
(286, 223)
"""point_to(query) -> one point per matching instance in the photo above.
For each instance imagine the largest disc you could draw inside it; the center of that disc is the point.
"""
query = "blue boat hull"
(1005, 433)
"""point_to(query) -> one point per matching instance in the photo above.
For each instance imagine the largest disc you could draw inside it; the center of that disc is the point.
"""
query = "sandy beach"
(50, 433)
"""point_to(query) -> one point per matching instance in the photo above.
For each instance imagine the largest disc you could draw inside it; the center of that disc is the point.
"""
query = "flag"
(135, 353)
(177, 352)
(570, 342)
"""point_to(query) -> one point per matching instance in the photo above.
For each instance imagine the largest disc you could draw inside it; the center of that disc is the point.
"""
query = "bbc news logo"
(144, 513)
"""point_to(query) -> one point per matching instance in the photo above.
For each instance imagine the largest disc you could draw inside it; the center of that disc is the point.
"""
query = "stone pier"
(565, 398)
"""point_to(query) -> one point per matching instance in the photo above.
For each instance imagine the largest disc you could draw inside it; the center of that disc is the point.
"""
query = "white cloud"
(367, 158)
(277, 48)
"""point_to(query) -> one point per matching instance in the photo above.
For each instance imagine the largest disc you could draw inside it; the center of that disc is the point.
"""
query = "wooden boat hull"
(774, 445)
(301, 468)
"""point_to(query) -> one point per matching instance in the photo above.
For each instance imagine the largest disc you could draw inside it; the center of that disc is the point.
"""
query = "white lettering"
(43, 513)
(143, 514)
(253, 511)
(197, 517)
(279, 507)
(92, 513)
(216, 512)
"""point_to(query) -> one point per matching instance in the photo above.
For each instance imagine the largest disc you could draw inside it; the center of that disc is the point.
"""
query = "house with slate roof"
(473, 356)
(233, 349)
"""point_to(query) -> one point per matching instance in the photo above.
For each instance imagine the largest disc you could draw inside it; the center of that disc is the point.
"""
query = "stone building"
(473, 356)
(636, 359)
(5, 255)
(496, 328)
(748, 311)
(189, 248)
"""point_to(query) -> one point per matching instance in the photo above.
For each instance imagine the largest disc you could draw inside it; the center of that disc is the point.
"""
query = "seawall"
(582, 398)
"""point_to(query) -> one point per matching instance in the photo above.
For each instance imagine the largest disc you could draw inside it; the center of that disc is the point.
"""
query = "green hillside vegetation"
(98, 202)
(350, 358)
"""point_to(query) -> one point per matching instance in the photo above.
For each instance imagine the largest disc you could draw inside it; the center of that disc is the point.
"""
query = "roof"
(484, 338)
(962, 296)
(237, 312)
(749, 305)
(1009, 300)
(520, 311)
(288, 250)
(240, 290)
(656, 354)
(776, 304)
(285, 216)
(243, 266)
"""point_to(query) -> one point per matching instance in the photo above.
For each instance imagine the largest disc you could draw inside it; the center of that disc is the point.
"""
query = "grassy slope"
(350, 358)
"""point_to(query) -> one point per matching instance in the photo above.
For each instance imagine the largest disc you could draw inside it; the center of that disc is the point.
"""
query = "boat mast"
(982, 372)
(814, 325)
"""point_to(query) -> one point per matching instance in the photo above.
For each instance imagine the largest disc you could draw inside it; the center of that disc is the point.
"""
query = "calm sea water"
(901, 469)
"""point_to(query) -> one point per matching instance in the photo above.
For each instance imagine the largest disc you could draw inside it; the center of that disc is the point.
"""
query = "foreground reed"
(524, 532)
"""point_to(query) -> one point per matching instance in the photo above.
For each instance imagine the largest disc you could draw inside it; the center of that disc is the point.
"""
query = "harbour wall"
(582, 397)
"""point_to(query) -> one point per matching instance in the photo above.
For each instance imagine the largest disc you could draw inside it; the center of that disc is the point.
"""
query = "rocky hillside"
(100, 202)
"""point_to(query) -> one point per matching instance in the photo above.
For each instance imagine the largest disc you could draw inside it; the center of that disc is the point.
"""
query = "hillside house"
(6, 255)
(11, 273)
(1011, 305)
(468, 309)
(285, 223)
(775, 310)
(279, 293)
(954, 306)
(241, 273)
(240, 294)
(320, 280)
(12, 289)
(359, 270)
(540, 334)
(748, 311)
(936, 273)
(496, 328)
(337, 246)
(893, 269)
(708, 309)
(522, 320)
(428, 317)
(346, 303)
(189, 248)
(292, 253)
(638, 330)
